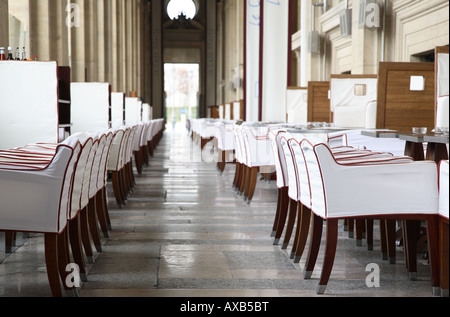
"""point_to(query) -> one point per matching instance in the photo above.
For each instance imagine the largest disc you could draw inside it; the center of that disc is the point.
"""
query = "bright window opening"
(181, 84)
(177, 7)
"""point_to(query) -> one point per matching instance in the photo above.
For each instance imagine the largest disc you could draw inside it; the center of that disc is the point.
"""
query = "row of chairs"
(392, 196)
(59, 190)
(254, 156)
(320, 182)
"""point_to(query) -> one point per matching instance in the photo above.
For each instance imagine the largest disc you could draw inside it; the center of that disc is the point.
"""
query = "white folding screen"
(297, 105)
(275, 63)
(442, 89)
(353, 101)
(89, 107)
(132, 111)
(117, 109)
(252, 59)
(237, 110)
(146, 112)
(227, 111)
(29, 103)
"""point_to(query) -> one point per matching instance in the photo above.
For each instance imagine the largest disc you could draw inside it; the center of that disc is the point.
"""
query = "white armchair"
(36, 199)
(394, 188)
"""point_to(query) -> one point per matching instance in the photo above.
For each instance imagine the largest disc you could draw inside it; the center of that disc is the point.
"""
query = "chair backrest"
(302, 172)
(37, 200)
(280, 162)
(137, 137)
(87, 177)
(86, 146)
(93, 187)
(115, 151)
(291, 177)
(102, 175)
(74, 143)
(258, 146)
(315, 180)
(240, 150)
(128, 153)
(442, 87)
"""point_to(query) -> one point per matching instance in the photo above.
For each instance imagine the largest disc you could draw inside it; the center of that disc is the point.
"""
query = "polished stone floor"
(186, 233)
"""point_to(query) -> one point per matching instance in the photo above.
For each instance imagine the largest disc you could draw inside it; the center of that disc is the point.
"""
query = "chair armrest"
(373, 189)
(33, 200)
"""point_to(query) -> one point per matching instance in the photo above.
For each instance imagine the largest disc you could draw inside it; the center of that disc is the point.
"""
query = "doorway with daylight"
(181, 86)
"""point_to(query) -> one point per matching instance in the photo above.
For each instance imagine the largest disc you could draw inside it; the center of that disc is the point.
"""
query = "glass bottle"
(24, 54)
(17, 54)
(2, 54)
(10, 55)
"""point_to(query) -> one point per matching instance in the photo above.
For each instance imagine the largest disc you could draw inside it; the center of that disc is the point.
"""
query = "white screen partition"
(132, 111)
(297, 105)
(117, 109)
(442, 89)
(252, 60)
(275, 65)
(351, 100)
(28, 103)
(237, 110)
(89, 107)
(146, 112)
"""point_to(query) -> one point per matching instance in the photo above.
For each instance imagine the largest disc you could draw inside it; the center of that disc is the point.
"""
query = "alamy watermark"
(73, 15)
(373, 278)
(73, 278)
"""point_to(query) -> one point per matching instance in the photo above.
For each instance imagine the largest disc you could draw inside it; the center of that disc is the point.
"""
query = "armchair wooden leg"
(277, 214)
(383, 242)
(390, 240)
(76, 246)
(359, 231)
(101, 209)
(116, 188)
(351, 227)
(411, 228)
(443, 256)
(433, 253)
(244, 180)
(10, 237)
(64, 260)
(93, 228)
(283, 215)
(51, 261)
(369, 234)
(314, 245)
(293, 206)
(236, 173)
(85, 238)
(252, 183)
(105, 203)
(330, 253)
(303, 234)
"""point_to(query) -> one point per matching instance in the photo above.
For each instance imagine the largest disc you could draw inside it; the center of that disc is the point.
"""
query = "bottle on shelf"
(24, 54)
(10, 55)
(2, 54)
(17, 54)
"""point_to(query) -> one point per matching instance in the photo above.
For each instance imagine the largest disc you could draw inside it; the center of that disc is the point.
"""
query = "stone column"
(365, 46)
(4, 28)
(210, 93)
(78, 53)
(157, 60)
(40, 29)
(101, 40)
(58, 32)
(91, 41)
